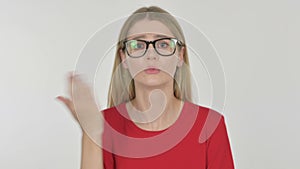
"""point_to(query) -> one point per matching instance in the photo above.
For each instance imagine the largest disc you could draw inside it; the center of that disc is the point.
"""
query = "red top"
(197, 140)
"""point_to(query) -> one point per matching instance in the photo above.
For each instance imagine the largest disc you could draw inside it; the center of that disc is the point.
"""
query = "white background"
(256, 41)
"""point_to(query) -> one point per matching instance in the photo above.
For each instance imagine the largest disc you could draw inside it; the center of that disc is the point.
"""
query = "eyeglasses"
(163, 46)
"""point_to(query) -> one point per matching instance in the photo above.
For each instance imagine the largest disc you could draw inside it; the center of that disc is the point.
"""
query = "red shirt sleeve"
(219, 154)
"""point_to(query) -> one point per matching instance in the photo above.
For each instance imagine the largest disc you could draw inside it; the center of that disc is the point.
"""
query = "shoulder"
(208, 120)
(203, 112)
(115, 116)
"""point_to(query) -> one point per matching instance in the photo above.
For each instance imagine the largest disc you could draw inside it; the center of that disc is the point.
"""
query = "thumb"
(69, 104)
(65, 100)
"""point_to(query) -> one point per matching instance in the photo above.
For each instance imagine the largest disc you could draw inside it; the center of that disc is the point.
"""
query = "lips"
(152, 70)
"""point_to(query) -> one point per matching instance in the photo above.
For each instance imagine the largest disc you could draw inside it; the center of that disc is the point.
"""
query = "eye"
(135, 44)
(163, 44)
(166, 44)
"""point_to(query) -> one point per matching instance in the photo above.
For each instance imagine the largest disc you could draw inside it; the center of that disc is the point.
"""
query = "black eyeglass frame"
(177, 42)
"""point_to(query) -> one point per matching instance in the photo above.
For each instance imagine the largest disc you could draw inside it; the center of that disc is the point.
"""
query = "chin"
(149, 83)
(154, 82)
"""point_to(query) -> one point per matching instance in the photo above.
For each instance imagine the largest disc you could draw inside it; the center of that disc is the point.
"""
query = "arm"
(86, 110)
(91, 157)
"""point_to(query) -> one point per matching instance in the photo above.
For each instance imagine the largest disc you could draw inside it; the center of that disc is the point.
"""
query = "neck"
(153, 99)
(162, 93)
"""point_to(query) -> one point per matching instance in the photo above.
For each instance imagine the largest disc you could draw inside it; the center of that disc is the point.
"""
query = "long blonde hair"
(119, 92)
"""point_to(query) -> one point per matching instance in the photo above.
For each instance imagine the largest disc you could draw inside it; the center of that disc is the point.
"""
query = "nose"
(151, 53)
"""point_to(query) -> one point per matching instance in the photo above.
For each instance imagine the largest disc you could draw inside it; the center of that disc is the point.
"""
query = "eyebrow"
(143, 36)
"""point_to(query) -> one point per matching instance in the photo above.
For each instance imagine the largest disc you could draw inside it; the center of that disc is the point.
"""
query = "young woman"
(151, 121)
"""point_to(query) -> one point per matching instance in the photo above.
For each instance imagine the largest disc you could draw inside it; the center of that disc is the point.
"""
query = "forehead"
(149, 28)
(148, 36)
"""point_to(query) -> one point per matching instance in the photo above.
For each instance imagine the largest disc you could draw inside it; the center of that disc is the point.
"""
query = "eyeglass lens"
(137, 48)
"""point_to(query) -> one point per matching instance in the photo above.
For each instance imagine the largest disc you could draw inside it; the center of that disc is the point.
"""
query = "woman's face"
(150, 68)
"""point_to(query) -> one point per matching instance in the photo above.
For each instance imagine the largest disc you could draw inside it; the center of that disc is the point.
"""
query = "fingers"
(65, 100)
(74, 82)
(79, 92)
(70, 83)
(83, 106)
(69, 104)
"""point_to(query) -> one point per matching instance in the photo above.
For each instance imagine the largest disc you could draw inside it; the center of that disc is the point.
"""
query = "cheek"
(169, 65)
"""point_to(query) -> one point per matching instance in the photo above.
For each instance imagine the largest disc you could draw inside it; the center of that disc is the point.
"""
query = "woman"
(151, 121)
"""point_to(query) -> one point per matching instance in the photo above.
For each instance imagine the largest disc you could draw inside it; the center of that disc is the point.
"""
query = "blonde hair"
(119, 91)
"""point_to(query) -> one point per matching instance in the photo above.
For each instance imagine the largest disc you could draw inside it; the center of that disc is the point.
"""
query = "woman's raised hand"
(68, 101)
(83, 107)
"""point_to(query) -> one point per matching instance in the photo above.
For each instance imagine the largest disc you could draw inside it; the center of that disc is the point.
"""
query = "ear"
(123, 59)
(180, 57)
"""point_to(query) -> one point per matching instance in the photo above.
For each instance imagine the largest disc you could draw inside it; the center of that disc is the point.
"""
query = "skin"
(147, 83)
(91, 157)
(144, 84)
